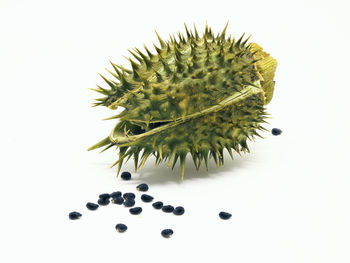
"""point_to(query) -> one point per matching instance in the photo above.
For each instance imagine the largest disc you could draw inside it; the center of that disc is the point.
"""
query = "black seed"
(116, 194)
(118, 200)
(74, 215)
(146, 198)
(142, 187)
(135, 210)
(179, 211)
(126, 175)
(158, 205)
(104, 196)
(121, 228)
(129, 202)
(92, 206)
(168, 208)
(276, 131)
(129, 196)
(167, 233)
(225, 215)
(103, 201)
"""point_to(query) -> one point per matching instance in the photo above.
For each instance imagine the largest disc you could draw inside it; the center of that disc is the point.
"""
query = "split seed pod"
(195, 95)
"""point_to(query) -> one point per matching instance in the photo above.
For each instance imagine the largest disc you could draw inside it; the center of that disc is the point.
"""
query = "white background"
(289, 197)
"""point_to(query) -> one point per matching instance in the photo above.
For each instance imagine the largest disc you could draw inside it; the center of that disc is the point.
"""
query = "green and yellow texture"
(194, 95)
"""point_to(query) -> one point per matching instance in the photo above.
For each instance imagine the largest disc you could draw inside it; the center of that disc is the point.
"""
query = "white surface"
(289, 197)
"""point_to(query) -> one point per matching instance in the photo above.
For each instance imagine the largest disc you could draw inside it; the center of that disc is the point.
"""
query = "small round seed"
(103, 201)
(121, 228)
(129, 196)
(225, 215)
(104, 196)
(116, 194)
(146, 198)
(74, 215)
(157, 205)
(129, 202)
(135, 210)
(92, 206)
(179, 211)
(142, 187)
(126, 175)
(118, 200)
(167, 233)
(276, 131)
(168, 208)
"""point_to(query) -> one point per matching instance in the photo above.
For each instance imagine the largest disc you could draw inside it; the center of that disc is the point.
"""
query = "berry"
(135, 210)
(179, 211)
(92, 206)
(102, 201)
(168, 208)
(167, 233)
(126, 175)
(116, 194)
(104, 196)
(118, 200)
(225, 215)
(158, 205)
(142, 187)
(121, 228)
(74, 215)
(129, 202)
(129, 196)
(276, 131)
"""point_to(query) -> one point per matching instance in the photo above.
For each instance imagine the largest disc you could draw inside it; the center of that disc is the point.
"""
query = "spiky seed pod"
(196, 95)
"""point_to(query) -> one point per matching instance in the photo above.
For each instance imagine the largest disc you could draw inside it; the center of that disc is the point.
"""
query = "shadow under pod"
(161, 174)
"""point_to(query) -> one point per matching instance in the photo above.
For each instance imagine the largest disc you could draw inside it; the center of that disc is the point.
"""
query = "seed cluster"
(128, 199)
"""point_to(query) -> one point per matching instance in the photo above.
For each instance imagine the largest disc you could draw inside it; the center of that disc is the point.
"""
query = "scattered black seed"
(74, 215)
(92, 206)
(135, 210)
(167, 233)
(168, 208)
(129, 202)
(129, 196)
(126, 175)
(225, 215)
(146, 198)
(276, 131)
(118, 200)
(104, 196)
(142, 187)
(157, 205)
(102, 201)
(179, 211)
(121, 228)
(116, 194)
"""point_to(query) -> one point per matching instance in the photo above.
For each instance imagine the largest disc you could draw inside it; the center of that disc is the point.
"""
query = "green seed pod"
(196, 95)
